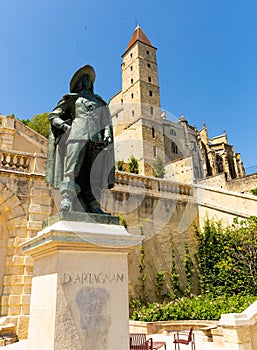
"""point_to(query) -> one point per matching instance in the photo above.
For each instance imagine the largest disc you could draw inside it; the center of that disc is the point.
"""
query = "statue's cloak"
(58, 139)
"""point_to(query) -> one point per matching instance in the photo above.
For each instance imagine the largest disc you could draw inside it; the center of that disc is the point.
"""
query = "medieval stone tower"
(136, 108)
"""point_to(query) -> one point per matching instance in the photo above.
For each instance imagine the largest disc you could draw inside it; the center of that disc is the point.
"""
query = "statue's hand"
(66, 127)
(107, 140)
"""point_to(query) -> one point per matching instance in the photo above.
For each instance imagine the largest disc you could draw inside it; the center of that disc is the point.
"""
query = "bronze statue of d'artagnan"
(80, 150)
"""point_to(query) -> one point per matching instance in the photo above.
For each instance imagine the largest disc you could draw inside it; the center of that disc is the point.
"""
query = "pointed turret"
(138, 35)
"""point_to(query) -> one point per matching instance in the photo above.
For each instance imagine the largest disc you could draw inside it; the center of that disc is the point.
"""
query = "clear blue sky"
(207, 57)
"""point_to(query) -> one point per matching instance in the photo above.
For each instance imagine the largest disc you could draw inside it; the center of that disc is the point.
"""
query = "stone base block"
(80, 286)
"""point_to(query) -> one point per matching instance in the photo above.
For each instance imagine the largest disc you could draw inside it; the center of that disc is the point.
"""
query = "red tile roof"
(138, 35)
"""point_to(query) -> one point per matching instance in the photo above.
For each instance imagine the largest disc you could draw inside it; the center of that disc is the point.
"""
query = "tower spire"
(138, 35)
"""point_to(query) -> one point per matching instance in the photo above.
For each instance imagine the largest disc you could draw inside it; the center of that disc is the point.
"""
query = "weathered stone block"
(27, 289)
(18, 241)
(15, 299)
(14, 270)
(5, 300)
(27, 280)
(14, 310)
(17, 280)
(17, 290)
(22, 327)
(19, 260)
(25, 299)
(7, 280)
(25, 309)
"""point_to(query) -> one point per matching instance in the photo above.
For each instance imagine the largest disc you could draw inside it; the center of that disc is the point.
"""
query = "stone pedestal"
(80, 286)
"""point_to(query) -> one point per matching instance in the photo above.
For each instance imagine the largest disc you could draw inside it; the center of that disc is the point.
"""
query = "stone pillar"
(79, 294)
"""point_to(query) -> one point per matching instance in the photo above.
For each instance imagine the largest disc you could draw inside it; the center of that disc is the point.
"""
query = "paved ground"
(201, 344)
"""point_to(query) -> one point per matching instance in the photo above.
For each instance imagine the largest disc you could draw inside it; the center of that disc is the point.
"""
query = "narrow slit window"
(154, 151)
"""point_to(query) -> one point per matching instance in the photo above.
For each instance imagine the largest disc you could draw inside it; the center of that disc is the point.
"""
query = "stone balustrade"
(22, 162)
(137, 183)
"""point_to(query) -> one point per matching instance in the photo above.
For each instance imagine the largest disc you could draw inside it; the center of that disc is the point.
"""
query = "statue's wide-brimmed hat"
(87, 69)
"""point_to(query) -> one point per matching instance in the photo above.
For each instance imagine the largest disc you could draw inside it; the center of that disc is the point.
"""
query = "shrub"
(120, 165)
(199, 307)
(254, 191)
(133, 166)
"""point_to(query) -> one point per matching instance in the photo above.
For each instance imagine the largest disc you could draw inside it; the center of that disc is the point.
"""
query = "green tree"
(39, 123)
(159, 167)
(133, 166)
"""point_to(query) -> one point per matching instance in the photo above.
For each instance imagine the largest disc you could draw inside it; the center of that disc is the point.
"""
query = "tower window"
(131, 55)
(174, 148)
(132, 95)
(148, 65)
(132, 113)
(147, 52)
(151, 109)
(154, 151)
(173, 132)
(150, 93)
(153, 133)
(131, 81)
(131, 67)
(149, 79)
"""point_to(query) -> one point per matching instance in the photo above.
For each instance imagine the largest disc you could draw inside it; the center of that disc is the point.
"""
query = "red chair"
(184, 338)
(137, 341)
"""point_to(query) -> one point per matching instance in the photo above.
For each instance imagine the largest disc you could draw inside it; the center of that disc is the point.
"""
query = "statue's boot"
(94, 207)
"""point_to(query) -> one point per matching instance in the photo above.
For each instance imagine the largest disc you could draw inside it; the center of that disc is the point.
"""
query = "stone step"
(7, 334)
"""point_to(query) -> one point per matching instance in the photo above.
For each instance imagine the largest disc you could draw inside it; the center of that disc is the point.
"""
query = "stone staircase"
(7, 332)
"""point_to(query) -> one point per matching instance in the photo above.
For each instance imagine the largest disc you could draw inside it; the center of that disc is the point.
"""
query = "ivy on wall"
(227, 257)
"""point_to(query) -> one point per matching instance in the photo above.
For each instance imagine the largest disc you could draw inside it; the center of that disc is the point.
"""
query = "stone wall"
(25, 201)
(242, 185)
(161, 210)
(224, 205)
